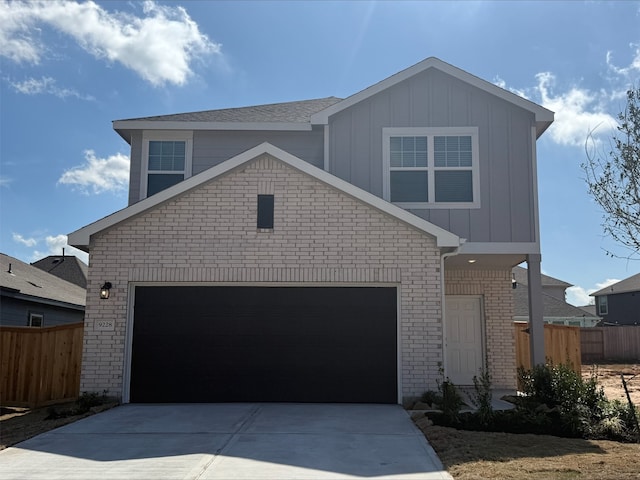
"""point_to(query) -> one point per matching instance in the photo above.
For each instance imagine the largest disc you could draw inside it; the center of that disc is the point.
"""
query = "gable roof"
(21, 280)
(80, 238)
(543, 117)
(274, 116)
(521, 276)
(66, 267)
(302, 115)
(631, 284)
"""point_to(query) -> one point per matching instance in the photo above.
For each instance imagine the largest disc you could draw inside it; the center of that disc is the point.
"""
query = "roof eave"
(43, 300)
(123, 126)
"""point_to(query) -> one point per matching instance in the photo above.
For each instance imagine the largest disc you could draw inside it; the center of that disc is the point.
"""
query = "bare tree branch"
(614, 178)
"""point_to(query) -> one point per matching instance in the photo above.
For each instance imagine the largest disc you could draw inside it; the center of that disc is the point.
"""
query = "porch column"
(536, 322)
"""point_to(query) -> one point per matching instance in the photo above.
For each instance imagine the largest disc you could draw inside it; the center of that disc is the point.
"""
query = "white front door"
(463, 339)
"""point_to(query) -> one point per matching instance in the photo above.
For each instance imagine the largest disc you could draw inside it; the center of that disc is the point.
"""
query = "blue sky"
(70, 68)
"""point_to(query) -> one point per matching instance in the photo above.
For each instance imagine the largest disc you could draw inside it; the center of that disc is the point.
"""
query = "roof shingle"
(28, 280)
(288, 112)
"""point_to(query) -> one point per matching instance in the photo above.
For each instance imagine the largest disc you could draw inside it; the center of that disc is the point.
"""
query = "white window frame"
(33, 316)
(164, 136)
(603, 305)
(430, 133)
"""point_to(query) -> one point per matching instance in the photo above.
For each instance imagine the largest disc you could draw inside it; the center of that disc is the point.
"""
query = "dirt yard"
(608, 376)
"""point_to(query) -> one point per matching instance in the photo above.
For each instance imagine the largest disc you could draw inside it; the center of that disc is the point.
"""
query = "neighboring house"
(550, 286)
(324, 250)
(554, 307)
(67, 267)
(590, 309)
(619, 304)
(30, 297)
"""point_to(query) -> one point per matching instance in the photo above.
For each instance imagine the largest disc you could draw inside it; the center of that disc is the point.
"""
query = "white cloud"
(502, 84)
(578, 112)
(631, 71)
(159, 46)
(27, 242)
(606, 283)
(46, 85)
(99, 175)
(55, 244)
(580, 296)
(582, 115)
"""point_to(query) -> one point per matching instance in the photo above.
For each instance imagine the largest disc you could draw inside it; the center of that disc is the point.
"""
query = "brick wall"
(495, 288)
(320, 236)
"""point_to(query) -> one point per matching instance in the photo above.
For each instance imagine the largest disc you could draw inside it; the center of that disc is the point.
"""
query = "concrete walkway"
(229, 441)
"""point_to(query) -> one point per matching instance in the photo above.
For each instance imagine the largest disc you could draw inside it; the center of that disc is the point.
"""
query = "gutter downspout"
(443, 257)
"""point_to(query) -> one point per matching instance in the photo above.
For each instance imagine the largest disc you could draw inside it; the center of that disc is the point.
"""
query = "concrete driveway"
(229, 441)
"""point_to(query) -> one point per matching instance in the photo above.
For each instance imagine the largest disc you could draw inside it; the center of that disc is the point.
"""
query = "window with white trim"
(603, 305)
(35, 320)
(166, 161)
(431, 167)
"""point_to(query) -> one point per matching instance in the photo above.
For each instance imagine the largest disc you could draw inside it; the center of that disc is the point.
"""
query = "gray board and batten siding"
(435, 99)
(212, 147)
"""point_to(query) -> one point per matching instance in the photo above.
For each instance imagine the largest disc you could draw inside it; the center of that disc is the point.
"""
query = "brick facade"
(321, 236)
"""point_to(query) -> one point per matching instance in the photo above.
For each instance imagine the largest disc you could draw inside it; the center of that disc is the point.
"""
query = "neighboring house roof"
(552, 307)
(24, 281)
(80, 238)
(590, 309)
(66, 267)
(275, 116)
(631, 284)
(543, 117)
(521, 276)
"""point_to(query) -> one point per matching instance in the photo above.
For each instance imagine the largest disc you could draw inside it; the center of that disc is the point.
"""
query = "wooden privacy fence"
(611, 343)
(561, 345)
(40, 366)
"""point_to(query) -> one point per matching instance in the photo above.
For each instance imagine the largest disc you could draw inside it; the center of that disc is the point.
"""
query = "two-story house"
(619, 304)
(329, 250)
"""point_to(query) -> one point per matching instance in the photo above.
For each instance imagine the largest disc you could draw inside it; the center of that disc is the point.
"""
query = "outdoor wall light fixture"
(104, 290)
(514, 283)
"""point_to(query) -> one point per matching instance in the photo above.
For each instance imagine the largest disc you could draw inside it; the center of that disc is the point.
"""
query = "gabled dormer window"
(166, 160)
(431, 167)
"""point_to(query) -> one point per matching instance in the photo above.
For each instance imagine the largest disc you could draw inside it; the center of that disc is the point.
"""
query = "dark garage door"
(269, 344)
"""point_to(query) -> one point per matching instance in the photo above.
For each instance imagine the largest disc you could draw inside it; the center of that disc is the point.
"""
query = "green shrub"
(557, 401)
(431, 397)
(482, 397)
(451, 401)
(447, 399)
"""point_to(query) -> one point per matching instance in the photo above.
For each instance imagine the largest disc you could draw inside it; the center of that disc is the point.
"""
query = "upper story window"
(431, 167)
(603, 305)
(166, 160)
